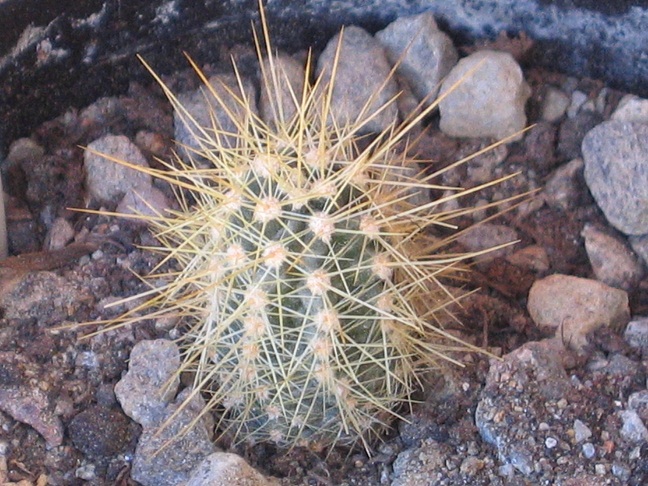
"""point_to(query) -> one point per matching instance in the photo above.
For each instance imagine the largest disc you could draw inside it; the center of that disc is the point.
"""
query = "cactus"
(308, 281)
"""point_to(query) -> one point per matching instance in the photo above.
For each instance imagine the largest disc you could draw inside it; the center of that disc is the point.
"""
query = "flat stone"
(573, 307)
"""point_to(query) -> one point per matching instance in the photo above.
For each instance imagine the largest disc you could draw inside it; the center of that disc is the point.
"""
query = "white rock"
(107, 180)
(631, 108)
(633, 429)
(554, 105)
(636, 335)
(574, 307)
(489, 100)
(222, 468)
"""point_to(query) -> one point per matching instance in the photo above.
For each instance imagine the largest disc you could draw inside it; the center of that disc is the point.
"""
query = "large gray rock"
(617, 173)
(176, 436)
(221, 104)
(489, 98)
(362, 85)
(574, 307)
(424, 53)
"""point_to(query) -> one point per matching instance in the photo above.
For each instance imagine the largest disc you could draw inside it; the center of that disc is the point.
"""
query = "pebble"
(615, 160)
(581, 431)
(362, 69)
(144, 201)
(562, 189)
(227, 469)
(550, 442)
(612, 260)
(107, 180)
(631, 108)
(201, 109)
(533, 257)
(60, 234)
(490, 100)
(424, 54)
(554, 104)
(636, 335)
(575, 306)
(589, 451)
(578, 99)
(633, 429)
(277, 102)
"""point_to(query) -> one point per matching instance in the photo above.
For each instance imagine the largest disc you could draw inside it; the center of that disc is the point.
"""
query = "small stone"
(144, 201)
(589, 450)
(227, 469)
(550, 442)
(578, 99)
(631, 108)
(562, 188)
(554, 104)
(471, 466)
(424, 53)
(107, 180)
(576, 306)
(600, 469)
(361, 70)
(621, 471)
(613, 262)
(490, 100)
(581, 431)
(615, 171)
(533, 257)
(59, 235)
(633, 429)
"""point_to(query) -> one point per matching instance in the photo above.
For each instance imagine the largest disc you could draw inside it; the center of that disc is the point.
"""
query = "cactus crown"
(310, 286)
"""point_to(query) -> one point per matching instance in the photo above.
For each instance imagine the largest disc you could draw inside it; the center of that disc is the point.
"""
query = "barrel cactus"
(310, 287)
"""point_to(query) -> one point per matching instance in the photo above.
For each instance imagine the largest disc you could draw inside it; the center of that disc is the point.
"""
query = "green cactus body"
(309, 284)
